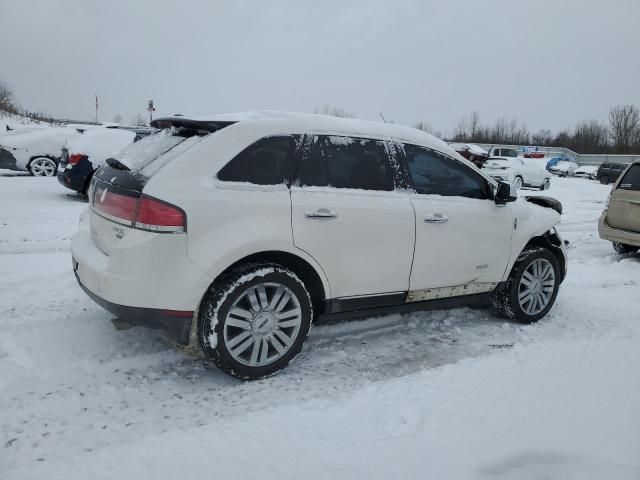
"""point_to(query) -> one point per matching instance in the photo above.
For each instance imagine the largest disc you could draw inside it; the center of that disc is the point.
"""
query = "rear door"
(624, 206)
(347, 214)
(462, 237)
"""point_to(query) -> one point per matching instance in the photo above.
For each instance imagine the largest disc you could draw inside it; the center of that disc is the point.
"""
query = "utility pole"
(151, 109)
(96, 108)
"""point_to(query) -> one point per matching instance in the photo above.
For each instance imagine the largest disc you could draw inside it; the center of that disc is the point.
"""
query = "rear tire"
(43, 167)
(604, 180)
(545, 185)
(623, 248)
(532, 286)
(255, 320)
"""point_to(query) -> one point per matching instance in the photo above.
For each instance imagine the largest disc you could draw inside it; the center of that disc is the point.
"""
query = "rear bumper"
(147, 278)
(75, 176)
(175, 324)
(616, 235)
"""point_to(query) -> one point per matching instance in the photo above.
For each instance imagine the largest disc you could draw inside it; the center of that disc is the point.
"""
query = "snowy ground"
(426, 395)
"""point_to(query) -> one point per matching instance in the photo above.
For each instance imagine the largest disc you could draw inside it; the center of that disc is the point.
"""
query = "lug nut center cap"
(263, 323)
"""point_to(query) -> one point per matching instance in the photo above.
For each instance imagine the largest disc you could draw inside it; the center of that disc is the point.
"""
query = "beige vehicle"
(620, 221)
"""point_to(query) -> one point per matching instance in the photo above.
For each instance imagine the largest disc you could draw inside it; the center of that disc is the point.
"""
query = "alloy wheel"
(43, 167)
(262, 324)
(537, 284)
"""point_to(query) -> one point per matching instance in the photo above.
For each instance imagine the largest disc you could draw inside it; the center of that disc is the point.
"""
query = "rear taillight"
(143, 213)
(159, 216)
(75, 158)
(117, 207)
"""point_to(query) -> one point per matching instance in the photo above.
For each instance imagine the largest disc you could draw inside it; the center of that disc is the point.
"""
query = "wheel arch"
(552, 242)
(309, 275)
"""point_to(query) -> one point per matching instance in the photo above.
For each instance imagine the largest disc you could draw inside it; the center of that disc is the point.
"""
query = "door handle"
(321, 213)
(436, 218)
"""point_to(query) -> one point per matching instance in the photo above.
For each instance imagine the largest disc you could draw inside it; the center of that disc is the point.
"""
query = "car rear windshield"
(151, 153)
(631, 179)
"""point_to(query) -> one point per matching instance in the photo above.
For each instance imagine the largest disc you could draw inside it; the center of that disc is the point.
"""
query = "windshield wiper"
(112, 162)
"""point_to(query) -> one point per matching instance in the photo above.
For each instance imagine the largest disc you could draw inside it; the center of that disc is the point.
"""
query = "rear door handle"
(321, 213)
(436, 218)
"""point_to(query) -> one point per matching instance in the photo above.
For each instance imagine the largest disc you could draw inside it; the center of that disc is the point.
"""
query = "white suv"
(237, 231)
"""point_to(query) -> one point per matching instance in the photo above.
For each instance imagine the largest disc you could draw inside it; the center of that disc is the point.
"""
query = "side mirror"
(505, 193)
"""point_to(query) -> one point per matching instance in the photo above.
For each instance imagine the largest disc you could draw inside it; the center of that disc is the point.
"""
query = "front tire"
(532, 286)
(254, 321)
(43, 167)
(623, 248)
(604, 180)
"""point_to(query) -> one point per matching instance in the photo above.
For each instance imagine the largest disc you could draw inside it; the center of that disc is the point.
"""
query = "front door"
(462, 236)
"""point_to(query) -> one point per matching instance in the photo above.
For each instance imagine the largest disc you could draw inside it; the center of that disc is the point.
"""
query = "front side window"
(345, 162)
(269, 161)
(631, 179)
(433, 173)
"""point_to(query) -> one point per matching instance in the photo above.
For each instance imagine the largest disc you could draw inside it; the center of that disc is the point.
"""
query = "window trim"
(488, 186)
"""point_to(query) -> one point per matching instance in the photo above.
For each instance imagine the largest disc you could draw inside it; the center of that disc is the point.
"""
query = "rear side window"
(436, 174)
(269, 161)
(345, 162)
(631, 179)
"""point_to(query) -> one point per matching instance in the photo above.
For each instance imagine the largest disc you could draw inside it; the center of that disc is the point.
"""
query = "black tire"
(545, 184)
(604, 180)
(623, 248)
(505, 298)
(222, 296)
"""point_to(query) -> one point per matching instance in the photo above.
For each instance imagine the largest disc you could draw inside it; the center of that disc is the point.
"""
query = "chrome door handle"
(321, 213)
(436, 218)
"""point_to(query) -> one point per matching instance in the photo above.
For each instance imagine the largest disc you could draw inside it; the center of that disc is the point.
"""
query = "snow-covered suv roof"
(292, 122)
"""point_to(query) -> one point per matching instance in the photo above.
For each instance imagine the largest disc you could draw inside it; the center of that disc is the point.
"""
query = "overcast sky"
(549, 63)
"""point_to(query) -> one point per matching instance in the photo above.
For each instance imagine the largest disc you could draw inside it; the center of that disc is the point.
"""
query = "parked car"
(554, 160)
(237, 231)
(519, 171)
(587, 171)
(36, 150)
(620, 221)
(610, 172)
(564, 168)
(82, 157)
(503, 152)
(474, 153)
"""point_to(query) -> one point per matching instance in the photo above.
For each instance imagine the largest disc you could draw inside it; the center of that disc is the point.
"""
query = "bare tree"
(624, 127)
(138, 120)
(117, 118)
(334, 111)
(590, 137)
(6, 98)
(425, 127)
(542, 137)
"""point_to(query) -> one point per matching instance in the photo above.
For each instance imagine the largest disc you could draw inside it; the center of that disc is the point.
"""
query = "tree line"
(619, 134)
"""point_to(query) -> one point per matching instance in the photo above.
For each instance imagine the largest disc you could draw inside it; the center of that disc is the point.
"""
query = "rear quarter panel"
(227, 221)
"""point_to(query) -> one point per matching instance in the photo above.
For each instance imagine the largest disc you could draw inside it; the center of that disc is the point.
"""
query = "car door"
(347, 216)
(624, 205)
(463, 239)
